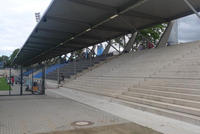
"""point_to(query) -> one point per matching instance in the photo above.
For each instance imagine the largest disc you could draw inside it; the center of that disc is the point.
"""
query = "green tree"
(13, 55)
(120, 41)
(4, 59)
(152, 34)
(8, 60)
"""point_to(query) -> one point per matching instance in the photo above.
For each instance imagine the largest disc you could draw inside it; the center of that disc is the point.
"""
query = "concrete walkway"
(41, 114)
(15, 90)
(113, 106)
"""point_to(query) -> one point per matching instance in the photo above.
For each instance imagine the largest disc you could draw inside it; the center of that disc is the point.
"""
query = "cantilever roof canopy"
(70, 25)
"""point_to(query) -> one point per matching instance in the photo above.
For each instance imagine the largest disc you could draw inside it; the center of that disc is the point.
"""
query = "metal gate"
(17, 83)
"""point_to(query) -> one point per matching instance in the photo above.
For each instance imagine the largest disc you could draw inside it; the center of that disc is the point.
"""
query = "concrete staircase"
(173, 91)
(74, 67)
(164, 81)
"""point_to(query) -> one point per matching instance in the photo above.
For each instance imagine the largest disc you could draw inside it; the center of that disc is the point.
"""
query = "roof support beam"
(94, 5)
(192, 8)
(73, 45)
(36, 47)
(61, 32)
(39, 43)
(115, 48)
(90, 37)
(111, 29)
(63, 51)
(143, 16)
(165, 36)
(32, 49)
(54, 31)
(65, 20)
(131, 5)
(77, 42)
(26, 52)
(46, 38)
(130, 43)
(107, 49)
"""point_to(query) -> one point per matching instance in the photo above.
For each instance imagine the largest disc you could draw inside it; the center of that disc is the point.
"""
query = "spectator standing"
(12, 80)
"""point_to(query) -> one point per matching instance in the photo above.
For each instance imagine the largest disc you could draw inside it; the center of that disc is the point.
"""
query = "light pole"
(37, 17)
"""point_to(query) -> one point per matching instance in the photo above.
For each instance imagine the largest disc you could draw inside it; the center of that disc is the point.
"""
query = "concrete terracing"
(164, 81)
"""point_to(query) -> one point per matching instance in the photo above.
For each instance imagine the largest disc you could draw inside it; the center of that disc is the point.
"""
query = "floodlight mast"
(37, 17)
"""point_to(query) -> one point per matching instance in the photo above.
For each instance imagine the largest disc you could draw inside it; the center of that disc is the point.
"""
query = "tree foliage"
(4, 58)
(8, 60)
(13, 55)
(152, 34)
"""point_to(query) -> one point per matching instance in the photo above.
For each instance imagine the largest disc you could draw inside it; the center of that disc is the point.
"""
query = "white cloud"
(17, 20)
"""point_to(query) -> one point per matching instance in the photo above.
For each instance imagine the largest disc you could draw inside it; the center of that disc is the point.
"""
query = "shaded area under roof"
(70, 25)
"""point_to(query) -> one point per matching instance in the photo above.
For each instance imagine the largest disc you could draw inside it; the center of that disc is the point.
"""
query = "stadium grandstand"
(76, 47)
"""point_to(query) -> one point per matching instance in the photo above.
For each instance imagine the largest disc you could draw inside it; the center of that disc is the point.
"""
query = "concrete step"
(176, 101)
(164, 112)
(104, 92)
(188, 59)
(179, 72)
(174, 75)
(94, 83)
(182, 71)
(171, 89)
(166, 94)
(176, 69)
(165, 80)
(168, 106)
(175, 85)
(185, 63)
(110, 80)
(99, 86)
(190, 75)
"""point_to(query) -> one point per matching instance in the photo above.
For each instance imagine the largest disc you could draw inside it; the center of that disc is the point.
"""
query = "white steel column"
(165, 37)
(107, 49)
(130, 43)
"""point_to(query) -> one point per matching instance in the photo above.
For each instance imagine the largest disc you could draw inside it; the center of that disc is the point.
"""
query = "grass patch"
(4, 86)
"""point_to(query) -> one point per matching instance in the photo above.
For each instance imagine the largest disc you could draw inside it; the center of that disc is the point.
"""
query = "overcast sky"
(17, 20)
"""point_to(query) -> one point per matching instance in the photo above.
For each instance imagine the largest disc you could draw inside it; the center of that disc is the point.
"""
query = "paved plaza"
(15, 90)
(37, 114)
